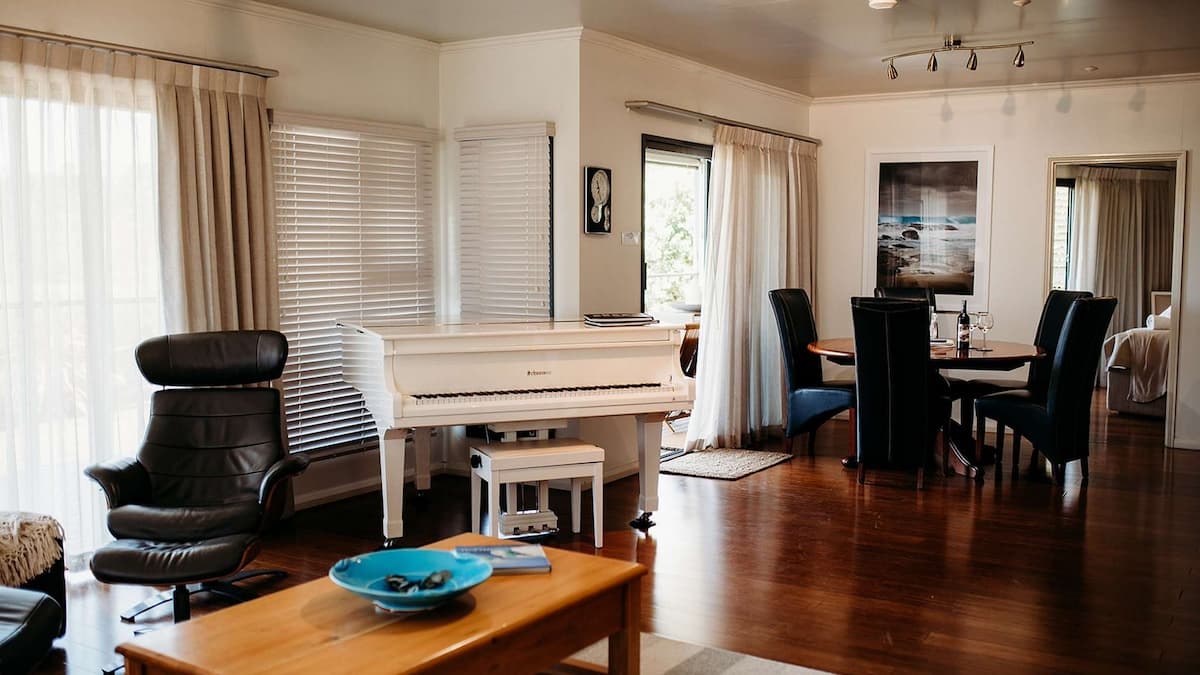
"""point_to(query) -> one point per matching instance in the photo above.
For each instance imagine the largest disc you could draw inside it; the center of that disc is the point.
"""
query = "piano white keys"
(418, 377)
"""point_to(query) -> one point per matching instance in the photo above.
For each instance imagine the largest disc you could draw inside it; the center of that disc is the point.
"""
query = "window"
(354, 208)
(674, 222)
(1060, 248)
(505, 245)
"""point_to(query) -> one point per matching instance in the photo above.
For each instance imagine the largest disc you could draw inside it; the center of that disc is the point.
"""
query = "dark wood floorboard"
(799, 563)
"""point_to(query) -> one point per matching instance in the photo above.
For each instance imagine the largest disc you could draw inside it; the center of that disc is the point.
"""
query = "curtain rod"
(1132, 167)
(166, 56)
(652, 106)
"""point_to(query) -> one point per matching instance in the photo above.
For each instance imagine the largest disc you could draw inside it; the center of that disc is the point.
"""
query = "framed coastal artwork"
(928, 223)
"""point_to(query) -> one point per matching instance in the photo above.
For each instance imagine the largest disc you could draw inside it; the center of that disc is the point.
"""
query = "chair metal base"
(180, 596)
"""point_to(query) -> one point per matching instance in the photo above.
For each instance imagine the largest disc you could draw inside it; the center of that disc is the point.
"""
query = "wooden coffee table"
(508, 624)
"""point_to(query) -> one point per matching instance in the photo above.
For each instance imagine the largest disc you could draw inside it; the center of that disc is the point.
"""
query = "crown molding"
(1112, 82)
(283, 15)
(688, 65)
(572, 33)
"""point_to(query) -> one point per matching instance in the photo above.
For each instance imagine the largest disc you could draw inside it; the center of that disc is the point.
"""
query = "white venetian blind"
(504, 207)
(354, 206)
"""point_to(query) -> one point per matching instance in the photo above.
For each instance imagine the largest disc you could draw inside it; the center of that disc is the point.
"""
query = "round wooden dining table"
(998, 356)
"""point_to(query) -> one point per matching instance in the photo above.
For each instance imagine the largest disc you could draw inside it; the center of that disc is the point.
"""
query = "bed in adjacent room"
(1136, 363)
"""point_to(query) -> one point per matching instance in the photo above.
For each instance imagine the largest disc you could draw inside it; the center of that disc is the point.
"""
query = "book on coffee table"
(520, 559)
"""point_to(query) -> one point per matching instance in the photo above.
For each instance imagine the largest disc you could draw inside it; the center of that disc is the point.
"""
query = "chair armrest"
(277, 475)
(124, 481)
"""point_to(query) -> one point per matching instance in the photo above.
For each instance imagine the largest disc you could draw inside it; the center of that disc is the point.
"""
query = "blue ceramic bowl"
(366, 574)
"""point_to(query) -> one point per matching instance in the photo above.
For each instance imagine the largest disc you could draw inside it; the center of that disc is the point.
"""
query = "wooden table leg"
(625, 646)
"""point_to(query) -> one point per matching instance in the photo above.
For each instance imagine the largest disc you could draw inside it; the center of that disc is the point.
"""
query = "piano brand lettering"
(533, 373)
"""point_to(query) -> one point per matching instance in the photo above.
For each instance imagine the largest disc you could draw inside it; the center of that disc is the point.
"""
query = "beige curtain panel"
(762, 236)
(216, 207)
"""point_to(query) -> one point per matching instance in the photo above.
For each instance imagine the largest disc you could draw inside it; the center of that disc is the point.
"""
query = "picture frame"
(597, 200)
(928, 223)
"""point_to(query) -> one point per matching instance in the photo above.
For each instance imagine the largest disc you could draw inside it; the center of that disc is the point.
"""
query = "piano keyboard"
(539, 394)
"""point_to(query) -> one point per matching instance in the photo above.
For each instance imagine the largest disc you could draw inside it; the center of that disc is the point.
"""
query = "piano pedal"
(642, 522)
(388, 543)
(528, 524)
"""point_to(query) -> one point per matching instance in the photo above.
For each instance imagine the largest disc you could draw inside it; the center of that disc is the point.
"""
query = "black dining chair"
(910, 293)
(1057, 425)
(900, 400)
(811, 401)
(1054, 313)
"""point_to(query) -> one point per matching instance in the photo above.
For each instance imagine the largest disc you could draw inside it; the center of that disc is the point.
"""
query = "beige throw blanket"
(1143, 352)
(29, 545)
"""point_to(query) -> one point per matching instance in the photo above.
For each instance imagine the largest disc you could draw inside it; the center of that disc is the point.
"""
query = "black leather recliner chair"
(901, 401)
(810, 400)
(210, 475)
(29, 622)
(1058, 426)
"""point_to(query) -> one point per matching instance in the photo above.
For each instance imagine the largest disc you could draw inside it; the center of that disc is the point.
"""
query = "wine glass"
(984, 321)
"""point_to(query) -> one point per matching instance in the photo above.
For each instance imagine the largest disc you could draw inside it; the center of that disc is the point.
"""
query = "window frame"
(700, 151)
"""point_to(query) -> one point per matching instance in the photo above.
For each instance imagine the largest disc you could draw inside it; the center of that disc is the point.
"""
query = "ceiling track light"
(953, 44)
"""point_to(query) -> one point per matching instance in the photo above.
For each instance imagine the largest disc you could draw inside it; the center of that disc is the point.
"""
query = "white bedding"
(1142, 352)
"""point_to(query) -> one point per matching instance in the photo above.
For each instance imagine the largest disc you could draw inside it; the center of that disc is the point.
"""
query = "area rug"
(726, 464)
(662, 656)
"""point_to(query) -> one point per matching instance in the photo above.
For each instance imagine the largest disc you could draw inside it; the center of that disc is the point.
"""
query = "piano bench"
(538, 462)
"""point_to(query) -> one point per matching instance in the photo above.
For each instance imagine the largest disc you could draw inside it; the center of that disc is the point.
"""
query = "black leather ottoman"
(29, 622)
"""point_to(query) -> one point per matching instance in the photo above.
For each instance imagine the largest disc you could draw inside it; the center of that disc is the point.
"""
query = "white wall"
(523, 78)
(325, 67)
(613, 71)
(1026, 126)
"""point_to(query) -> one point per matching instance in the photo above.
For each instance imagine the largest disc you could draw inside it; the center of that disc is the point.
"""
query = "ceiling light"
(1021, 3)
(953, 44)
(1090, 69)
(882, 4)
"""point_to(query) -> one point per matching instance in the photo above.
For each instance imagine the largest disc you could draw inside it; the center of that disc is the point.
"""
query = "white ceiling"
(833, 47)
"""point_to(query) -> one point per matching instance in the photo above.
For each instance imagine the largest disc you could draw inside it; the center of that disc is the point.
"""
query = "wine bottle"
(964, 329)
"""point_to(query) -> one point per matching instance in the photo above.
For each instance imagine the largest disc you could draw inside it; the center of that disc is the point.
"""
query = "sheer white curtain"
(79, 274)
(762, 236)
(1122, 237)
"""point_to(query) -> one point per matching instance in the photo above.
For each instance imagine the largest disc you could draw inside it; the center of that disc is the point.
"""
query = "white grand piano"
(419, 377)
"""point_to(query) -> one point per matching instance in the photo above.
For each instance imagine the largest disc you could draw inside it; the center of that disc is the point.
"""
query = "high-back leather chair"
(898, 409)
(208, 479)
(910, 293)
(810, 400)
(1037, 381)
(1059, 424)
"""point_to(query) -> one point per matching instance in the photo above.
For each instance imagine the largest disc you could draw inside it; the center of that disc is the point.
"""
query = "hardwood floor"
(800, 564)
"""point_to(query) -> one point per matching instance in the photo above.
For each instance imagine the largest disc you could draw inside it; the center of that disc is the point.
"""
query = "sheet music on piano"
(417, 377)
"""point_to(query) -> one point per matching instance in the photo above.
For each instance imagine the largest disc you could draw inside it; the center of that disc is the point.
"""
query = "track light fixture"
(953, 44)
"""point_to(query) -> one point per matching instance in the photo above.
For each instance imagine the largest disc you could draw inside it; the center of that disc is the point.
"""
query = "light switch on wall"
(631, 238)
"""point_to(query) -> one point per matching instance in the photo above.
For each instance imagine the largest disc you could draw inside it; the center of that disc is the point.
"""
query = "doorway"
(675, 178)
(1115, 227)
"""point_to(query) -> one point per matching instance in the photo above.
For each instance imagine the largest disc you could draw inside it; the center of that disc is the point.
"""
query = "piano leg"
(421, 458)
(649, 434)
(391, 471)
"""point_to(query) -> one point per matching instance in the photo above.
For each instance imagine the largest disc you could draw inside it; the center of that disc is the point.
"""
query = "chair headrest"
(219, 358)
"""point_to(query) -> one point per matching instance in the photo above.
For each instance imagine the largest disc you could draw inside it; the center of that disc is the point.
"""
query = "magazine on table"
(517, 559)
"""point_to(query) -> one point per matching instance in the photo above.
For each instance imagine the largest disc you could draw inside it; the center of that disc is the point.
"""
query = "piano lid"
(401, 331)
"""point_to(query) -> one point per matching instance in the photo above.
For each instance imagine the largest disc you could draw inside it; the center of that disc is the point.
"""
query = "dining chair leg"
(921, 478)
(862, 473)
(1083, 466)
(1016, 455)
(812, 443)
(980, 428)
(999, 457)
(1033, 461)
(853, 433)
(787, 445)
